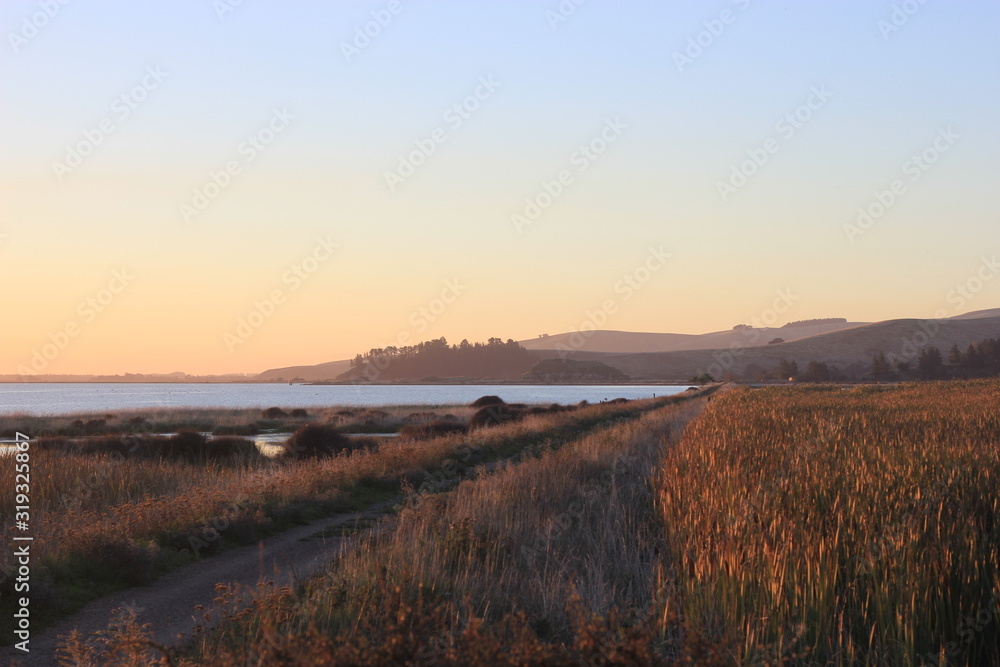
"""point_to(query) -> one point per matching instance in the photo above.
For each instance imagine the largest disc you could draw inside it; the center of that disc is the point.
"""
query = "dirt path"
(169, 602)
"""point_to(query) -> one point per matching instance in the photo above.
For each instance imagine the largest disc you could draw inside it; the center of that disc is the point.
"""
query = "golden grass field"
(845, 525)
(784, 525)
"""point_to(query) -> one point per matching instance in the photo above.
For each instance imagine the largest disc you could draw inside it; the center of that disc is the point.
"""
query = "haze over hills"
(326, 371)
(848, 346)
(177, 377)
(849, 351)
(600, 341)
(621, 342)
(978, 314)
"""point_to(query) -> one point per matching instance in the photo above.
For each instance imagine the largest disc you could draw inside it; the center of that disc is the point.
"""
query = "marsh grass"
(807, 525)
(225, 421)
(848, 525)
(549, 558)
(103, 522)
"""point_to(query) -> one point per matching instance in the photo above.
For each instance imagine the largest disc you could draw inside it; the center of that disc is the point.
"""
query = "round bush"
(188, 445)
(483, 401)
(315, 441)
(229, 447)
(494, 415)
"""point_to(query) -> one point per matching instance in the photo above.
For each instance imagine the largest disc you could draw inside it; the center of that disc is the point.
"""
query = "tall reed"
(841, 525)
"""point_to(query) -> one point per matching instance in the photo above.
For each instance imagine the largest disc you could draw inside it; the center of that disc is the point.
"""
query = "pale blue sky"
(656, 185)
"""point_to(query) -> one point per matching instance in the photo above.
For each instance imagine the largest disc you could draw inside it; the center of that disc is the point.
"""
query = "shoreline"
(402, 383)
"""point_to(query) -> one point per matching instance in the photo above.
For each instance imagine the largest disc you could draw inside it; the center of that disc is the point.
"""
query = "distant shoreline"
(634, 383)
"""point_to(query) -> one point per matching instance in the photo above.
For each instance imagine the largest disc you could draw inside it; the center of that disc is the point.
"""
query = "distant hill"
(978, 314)
(570, 370)
(850, 350)
(671, 356)
(436, 358)
(327, 371)
(622, 342)
(176, 377)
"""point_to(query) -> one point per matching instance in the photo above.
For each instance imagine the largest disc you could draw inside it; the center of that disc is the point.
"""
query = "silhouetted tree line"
(815, 371)
(980, 359)
(788, 369)
(568, 370)
(436, 358)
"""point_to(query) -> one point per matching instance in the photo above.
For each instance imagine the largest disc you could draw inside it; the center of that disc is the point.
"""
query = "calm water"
(62, 398)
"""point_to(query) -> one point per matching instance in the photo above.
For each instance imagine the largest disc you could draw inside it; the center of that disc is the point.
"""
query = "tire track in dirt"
(170, 603)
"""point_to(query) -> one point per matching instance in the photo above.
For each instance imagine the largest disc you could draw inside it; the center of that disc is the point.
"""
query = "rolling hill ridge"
(847, 346)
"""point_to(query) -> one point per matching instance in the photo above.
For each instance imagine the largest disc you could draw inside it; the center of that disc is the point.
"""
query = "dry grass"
(384, 419)
(841, 526)
(101, 522)
(802, 525)
(548, 558)
(573, 520)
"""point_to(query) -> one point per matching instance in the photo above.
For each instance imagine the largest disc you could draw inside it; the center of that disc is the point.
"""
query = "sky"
(217, 186)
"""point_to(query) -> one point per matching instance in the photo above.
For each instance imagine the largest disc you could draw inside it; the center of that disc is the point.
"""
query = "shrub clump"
(317, 441)
(229, 447)
(494, 415)
(274, 413)
(184, 445)
(483, 401)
